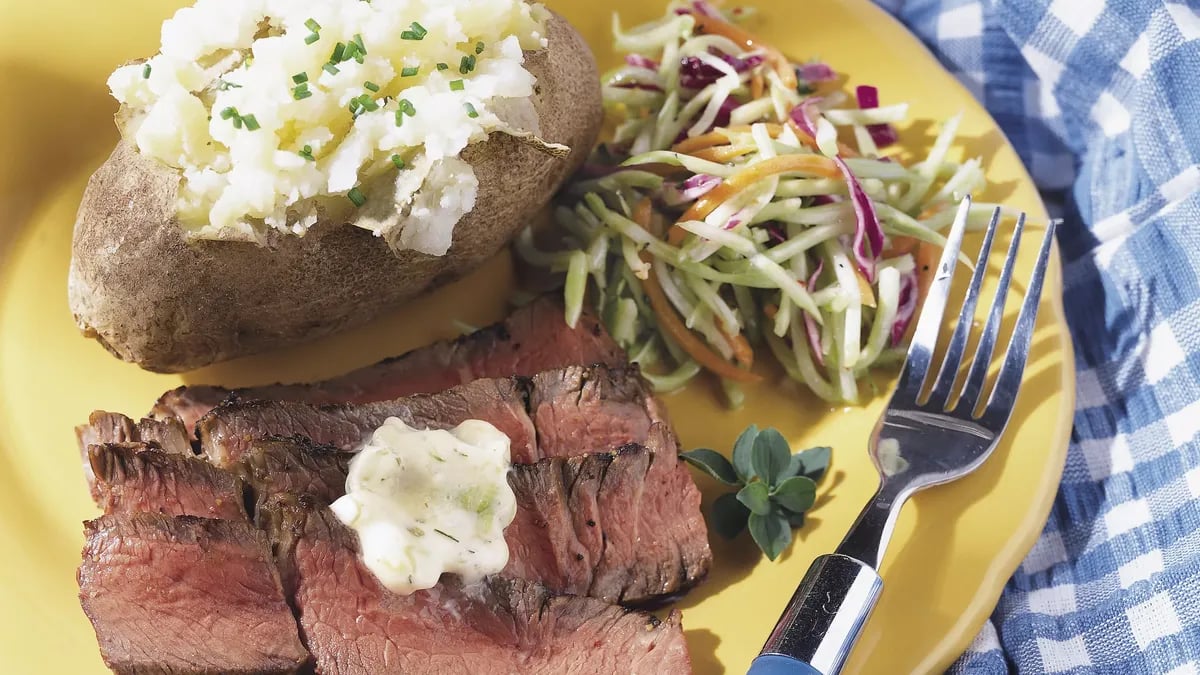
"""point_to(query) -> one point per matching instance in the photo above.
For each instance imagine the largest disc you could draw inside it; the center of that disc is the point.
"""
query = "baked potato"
(156, 297)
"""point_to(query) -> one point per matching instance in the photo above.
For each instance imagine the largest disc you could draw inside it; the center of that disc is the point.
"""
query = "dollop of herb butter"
(430, 502)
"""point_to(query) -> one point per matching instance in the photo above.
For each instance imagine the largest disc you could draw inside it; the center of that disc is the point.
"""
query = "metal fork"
(921, 441)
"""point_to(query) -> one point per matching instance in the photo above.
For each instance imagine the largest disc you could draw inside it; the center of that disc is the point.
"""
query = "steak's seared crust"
(532, 339)
(353, 625)
(575, 410)
(105, 427)
(186, 595)
(140, 478)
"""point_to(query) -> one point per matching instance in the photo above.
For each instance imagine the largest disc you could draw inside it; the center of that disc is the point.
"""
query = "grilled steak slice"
(353, 625)
(622, 527)
(591, 409)
(137, 477)
(228, 431)
(105, 427)
(278, 467)
(531, 340)
(186, 595)
(581, 410)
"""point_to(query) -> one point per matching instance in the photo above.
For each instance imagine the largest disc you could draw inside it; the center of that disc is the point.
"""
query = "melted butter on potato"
(279, 113)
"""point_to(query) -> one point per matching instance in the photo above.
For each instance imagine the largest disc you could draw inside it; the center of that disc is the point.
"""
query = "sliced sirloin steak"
(532, 339)
(186, 595)
(582, 410)
(353, 625)
(141, 478)
(105, 427)
(622, 527)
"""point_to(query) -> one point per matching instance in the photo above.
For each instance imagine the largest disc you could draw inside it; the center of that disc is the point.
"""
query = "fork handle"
(823, 619)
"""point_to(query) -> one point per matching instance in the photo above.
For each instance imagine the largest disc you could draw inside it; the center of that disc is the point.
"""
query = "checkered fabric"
(1102, 101)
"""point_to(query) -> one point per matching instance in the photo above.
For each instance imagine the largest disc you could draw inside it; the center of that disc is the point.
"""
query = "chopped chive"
(301, 92)
(457, 85)
(398, 161)
(251, 122)
(411, 71)
(467, 65)
(416, 32)
(338, 51)
(443, 66)
(479, 47)
(306, 153)
(237, 123)
(371, 86)
(228, 113)
(407, 108)
(312, 25)
(368, 104)
(358, 42)
(399, 118)
(471, 111)
(330, 68)
(146, 72)
(300, 78)
(311, 39)
(357, 197)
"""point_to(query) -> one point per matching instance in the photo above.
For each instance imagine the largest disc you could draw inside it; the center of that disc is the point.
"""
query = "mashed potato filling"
(281, 112)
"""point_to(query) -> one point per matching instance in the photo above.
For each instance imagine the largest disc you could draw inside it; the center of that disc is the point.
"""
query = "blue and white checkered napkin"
(1102, 101)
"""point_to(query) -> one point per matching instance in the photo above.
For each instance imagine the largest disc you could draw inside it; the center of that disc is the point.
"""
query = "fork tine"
(1000, 404)
(977, 376)
(920, 352)
(940, 396)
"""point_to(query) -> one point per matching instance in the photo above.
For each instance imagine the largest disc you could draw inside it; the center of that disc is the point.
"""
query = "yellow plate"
(954, 547)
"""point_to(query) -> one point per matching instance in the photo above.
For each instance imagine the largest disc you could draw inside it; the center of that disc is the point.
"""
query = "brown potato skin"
(153, 299)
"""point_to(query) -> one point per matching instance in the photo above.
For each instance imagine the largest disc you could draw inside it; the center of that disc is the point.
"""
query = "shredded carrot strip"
(757, 85)
(809, 164)
(689, 145)
(723, 154)
(927, 257)
(775, 58)
(670, 321)
(900, 246)
(643, 214)
(864, 290)
(691, 344)
(931, 211)
(742, 352)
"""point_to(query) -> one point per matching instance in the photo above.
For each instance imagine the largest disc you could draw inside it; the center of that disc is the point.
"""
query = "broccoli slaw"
(725, 215)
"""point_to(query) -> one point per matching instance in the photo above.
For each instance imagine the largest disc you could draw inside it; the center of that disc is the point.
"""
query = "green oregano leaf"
(713, 463)
(772, 533)
(757, 497)
(742, 450)
(796, 494)
(729, 515)
(770, 456)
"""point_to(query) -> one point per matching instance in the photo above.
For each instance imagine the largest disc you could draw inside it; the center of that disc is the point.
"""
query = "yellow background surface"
(954, 547)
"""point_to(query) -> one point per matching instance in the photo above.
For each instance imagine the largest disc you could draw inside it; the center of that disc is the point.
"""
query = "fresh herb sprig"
(775, 487)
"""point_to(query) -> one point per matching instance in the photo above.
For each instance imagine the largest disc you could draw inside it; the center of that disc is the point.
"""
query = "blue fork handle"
(777, 664)
(823, 619)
